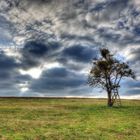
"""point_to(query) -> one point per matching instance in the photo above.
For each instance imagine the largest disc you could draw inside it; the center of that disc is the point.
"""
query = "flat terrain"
(68, 119)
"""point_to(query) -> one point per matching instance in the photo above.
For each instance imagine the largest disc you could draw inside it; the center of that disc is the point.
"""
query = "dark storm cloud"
(8, 66)
(136, 30)
(35, 48)
(80, 53)
(10, 78)
(56, 79)
(31, 54)
(34, 52)
(7, 63)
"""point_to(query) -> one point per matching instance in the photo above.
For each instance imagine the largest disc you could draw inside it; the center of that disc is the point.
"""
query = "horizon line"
(68, 97)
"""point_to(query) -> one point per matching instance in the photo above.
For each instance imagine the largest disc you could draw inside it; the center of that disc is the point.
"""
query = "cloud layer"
(47, 45)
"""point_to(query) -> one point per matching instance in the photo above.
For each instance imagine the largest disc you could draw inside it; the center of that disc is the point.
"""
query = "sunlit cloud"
(34, 72)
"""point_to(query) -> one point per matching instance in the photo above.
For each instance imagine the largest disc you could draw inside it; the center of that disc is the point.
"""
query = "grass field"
(68, 119)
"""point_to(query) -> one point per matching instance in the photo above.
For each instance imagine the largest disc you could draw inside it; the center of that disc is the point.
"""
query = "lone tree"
(107, 73)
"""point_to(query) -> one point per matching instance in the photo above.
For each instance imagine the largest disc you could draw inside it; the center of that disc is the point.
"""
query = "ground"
(68, 119)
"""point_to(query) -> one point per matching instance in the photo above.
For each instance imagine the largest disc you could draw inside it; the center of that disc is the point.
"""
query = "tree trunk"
(110, 103)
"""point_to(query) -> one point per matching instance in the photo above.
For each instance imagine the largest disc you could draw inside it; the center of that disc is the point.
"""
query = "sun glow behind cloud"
(23, 87)
(34, 72)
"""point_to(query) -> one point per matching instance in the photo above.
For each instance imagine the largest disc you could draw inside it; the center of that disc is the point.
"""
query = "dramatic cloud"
(57, 80)
(47, 45)
(79, 53)
(10, 78)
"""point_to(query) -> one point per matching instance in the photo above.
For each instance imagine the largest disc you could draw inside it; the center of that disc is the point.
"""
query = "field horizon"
(65, 97)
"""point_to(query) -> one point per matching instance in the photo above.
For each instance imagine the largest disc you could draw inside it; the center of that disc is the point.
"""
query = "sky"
(47, 46)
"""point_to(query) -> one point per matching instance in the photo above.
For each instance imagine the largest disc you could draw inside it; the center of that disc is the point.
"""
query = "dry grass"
(68, 119)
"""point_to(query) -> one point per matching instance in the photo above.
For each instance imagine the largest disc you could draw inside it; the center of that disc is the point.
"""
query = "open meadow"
(68, 119)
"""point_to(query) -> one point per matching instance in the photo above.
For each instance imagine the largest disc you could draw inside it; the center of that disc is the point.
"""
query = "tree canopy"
(107, 73)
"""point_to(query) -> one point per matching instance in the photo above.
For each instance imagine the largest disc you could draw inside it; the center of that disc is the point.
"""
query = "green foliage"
(107, 73)
(68, 119)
